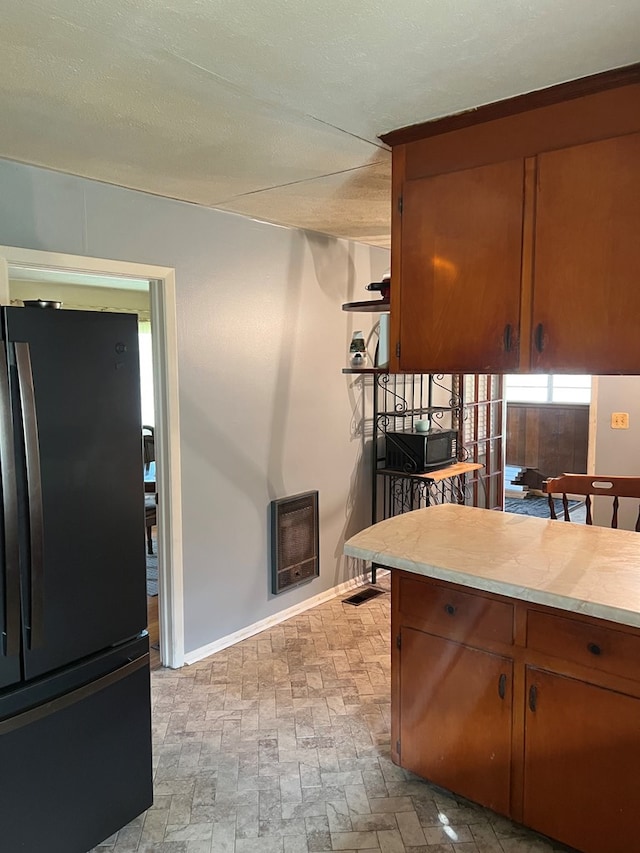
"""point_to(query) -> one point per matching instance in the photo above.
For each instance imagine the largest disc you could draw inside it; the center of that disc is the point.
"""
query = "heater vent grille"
(294, 541)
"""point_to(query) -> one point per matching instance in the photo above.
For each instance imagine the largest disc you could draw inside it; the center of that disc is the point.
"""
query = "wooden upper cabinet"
(586, 284)
(461, 264)
(515, 234)
(524, 265)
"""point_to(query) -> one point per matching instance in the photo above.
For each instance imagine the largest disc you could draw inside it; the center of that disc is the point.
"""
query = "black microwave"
(416, 452)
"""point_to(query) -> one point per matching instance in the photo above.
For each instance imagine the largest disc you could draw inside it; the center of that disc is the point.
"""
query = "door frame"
(162, 291)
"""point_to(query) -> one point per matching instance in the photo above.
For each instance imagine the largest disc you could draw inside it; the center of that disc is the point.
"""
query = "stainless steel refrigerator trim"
(10, 626)
(68, 699)
(35, 625)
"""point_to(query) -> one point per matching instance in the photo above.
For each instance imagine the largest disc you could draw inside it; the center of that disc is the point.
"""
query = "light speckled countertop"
(590, 570)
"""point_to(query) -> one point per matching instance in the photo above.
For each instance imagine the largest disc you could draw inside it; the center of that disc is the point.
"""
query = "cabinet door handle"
(594, 649)
(533, 697)
(450, 609)
(507, 338)
(539, 337)
(502, 686)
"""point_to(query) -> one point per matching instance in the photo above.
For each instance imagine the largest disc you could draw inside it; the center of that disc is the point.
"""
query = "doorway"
(548, 431)
(84, 275)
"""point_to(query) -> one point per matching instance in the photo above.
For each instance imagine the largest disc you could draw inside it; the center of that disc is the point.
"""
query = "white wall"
(265, 411)
(616, 451)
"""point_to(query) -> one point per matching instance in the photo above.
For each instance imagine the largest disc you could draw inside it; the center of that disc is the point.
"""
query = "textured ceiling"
(273, 108)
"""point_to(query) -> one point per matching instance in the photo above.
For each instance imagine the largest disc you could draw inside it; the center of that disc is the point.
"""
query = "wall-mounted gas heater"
(294, 541)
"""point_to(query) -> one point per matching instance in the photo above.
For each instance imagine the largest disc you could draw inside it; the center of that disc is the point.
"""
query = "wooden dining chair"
(150, 513)
(588, 485)
(148, 446)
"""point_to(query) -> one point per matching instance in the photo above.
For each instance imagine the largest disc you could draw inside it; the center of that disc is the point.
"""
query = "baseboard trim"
(251, 630)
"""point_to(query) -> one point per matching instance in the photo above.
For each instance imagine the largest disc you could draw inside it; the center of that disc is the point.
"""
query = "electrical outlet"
(619, 420)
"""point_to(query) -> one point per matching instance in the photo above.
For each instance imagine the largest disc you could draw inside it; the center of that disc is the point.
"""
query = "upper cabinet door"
(461, 252)
(586, 292)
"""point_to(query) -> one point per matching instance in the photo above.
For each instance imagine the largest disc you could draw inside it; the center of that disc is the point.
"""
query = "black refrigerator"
(75, 720)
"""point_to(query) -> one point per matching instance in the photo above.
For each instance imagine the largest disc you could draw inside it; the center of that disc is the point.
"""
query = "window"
(547, 388)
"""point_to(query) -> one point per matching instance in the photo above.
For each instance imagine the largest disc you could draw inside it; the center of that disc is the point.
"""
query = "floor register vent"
(294, 541)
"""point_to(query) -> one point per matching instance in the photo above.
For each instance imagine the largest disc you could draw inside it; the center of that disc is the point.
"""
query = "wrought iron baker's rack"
(399, 400)
(472, 405)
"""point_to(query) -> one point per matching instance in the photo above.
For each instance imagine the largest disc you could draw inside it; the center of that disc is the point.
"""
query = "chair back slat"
(591, 484)
(587, 503)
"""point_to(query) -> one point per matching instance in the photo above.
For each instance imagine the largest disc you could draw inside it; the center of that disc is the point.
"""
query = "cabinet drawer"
(462, 616)
(596, 646)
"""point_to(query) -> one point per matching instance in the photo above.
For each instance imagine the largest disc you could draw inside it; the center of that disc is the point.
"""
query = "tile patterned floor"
(280, 744)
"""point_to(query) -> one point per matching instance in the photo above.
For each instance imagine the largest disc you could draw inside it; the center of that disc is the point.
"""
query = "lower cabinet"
(456, 717)
(537, 718)
(582, 753)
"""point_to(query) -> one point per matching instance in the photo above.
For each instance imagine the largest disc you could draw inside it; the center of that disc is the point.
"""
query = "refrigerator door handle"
(34, 493)
(58, 704)
(10, 619)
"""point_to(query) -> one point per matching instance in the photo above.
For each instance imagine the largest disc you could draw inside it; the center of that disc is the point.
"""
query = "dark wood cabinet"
(461, 261)
(586, 298)
(519, 252)
(582, 750)
(529, 710)
(465, 695)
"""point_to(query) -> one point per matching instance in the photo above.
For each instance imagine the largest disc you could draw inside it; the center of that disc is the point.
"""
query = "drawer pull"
(502, 686)
(539, 337)
(594, 649)
(450, 609)
(533, 697)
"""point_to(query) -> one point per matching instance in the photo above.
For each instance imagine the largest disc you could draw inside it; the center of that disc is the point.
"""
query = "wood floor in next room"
(154, 631)
(280, 744)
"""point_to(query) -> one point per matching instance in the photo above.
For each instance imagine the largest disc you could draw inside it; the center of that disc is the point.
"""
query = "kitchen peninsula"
(516, 665)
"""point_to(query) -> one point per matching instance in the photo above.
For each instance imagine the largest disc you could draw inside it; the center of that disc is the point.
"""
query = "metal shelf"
(369, 370)
(419, 410)
(367, 305)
